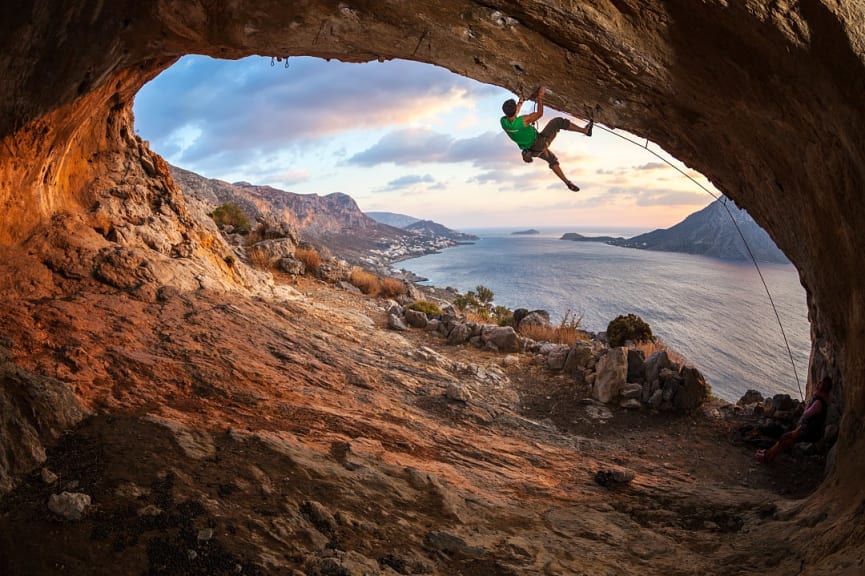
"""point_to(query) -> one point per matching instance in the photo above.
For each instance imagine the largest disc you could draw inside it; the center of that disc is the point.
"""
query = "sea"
(715, 313)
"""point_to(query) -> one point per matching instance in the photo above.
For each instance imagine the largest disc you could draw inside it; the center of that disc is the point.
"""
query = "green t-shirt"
(523, 135)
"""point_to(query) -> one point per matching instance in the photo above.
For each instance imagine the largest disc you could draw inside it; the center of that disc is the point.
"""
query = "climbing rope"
(739, 230)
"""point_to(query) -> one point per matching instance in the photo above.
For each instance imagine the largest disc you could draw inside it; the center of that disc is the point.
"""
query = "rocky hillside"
(333, 221)
(314, 216)
(419, 226)
(712, 232)
(393, 219)
(433, 229)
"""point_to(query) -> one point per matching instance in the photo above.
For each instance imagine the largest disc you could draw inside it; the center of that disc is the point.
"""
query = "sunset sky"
(398, 137)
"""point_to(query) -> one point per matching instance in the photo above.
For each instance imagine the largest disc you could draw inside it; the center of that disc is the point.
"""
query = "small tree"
(467, 301)
(484, 295)
(503, 315)
(630, 327)
(231, 215)
(479, 302)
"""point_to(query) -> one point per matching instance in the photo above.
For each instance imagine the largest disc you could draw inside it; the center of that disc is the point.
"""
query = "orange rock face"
(764, 98)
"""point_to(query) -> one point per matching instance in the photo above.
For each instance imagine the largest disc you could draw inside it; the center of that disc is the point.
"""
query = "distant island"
(528, 232)
(573, 236)
(708, 232)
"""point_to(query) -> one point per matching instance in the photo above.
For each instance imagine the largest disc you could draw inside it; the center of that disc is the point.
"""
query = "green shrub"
(230, 214)
(429, 308)
(484, 295)
(478, 306)
(467, 301)
(504, 316)
(630, 327)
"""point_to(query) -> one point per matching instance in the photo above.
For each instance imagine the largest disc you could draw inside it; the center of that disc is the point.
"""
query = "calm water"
(714, 313)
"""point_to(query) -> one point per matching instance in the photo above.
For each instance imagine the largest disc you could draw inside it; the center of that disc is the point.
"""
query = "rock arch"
(765, 98)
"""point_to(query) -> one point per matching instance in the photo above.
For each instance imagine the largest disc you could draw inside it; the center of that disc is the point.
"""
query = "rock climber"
(521, 130)
(810, 427)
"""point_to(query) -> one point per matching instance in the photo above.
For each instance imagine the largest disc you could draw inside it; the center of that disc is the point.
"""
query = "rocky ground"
(241, 435)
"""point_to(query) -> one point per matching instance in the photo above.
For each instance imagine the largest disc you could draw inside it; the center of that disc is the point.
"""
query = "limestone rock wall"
(765, 98)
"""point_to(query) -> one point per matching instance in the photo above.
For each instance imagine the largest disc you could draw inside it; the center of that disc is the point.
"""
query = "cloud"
(647, 197)
(652, 166)
(408, 181)
(518, 179)
(422, 145)
(207, 112)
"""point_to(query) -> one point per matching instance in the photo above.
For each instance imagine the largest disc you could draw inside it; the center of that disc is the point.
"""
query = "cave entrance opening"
(416, 139)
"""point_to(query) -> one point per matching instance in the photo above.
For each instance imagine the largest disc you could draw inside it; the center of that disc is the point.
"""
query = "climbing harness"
(732, 219)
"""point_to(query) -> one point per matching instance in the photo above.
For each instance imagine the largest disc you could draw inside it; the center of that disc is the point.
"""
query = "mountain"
(333, 221)
(310, 214)
(529, 232)
(434, 229)
(711, 232)
(418, 226)
(392, 219)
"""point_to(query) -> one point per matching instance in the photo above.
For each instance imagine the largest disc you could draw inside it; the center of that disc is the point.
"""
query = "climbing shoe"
(573, 187)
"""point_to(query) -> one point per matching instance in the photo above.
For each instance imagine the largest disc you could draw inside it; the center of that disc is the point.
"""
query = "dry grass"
(657, 345)
(258, 258)
(567, 332)
(309, 257)
(367, 282)
(472, 316)
(391, 287)
(374, 285)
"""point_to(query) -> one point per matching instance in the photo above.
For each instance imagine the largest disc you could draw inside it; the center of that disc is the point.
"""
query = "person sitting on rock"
(810, 427)
(520, 129)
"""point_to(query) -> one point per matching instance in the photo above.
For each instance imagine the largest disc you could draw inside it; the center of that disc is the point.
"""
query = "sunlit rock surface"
(765, 98)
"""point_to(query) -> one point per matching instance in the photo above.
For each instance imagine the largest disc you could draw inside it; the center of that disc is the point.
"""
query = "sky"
(401, 137)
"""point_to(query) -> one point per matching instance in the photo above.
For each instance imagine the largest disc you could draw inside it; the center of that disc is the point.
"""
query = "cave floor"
(235, 435)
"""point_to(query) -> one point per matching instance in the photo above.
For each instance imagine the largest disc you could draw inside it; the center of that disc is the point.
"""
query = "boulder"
(750, 397)
(693, 390)
(631, 390)
(636, 369)
(334, 271)
(70, 505)
(580, 356)
(394, 322)
(416, 318)
(501, 338)
(457, 392)
(275, 250)
(535, 318)
(518, 316)
(655, 363)
(612, 373)
(460, 334)
(614, 476)
(392, 307)
(557, 357)
(291, 266)
(273, 228)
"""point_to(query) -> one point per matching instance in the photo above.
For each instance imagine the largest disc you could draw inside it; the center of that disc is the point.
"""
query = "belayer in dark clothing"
(534, 143)
(811, 424)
